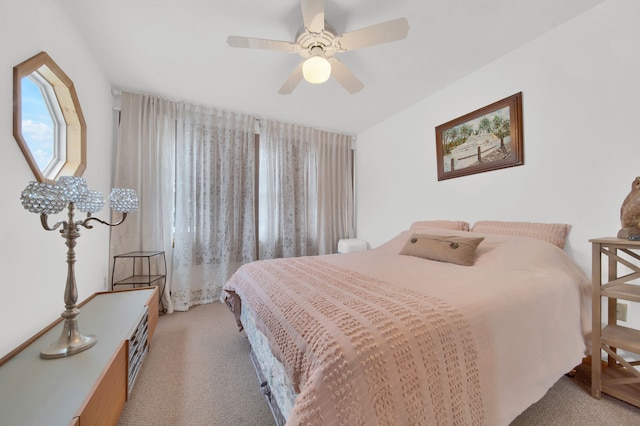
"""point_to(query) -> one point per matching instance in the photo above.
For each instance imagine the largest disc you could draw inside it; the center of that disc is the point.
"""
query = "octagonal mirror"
(48, 124)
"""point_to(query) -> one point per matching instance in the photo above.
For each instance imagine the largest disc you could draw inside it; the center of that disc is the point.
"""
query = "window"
(47, 120)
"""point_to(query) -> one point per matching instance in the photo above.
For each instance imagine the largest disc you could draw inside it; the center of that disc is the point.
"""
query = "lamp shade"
(124, 200)
(93, 203)
(43, 198)
(316, 70)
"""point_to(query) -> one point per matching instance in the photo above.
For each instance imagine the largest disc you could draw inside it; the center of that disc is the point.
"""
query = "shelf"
(616, 242)
(139, 279)
(140, 254)
(621, 378)
(146, 268)
(628, 392)
(617, 336)
(138, 346)
(630, 292)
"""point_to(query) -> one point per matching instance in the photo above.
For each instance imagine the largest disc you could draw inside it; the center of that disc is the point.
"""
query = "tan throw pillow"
(554, 233)
(451, 249)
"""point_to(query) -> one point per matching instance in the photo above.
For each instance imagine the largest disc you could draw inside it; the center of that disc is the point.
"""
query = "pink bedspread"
(379, 338)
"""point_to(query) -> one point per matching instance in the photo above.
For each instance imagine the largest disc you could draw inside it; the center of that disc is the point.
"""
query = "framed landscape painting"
(489, 138)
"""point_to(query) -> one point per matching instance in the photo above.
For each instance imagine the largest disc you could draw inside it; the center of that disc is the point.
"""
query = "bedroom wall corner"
(32, 260)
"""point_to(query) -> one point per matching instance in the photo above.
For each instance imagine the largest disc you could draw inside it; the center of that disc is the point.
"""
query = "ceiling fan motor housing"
(309, 42)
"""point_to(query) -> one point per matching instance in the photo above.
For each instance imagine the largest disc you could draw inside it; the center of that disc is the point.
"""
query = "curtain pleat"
(214, 224)
(306, 190)
(145, 162)
(335, 190)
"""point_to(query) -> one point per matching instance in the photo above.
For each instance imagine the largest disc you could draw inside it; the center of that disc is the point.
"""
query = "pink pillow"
(456, 225)
(554, 233)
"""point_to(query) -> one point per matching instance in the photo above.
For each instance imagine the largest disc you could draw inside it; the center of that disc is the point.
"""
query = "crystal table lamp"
(72, 192)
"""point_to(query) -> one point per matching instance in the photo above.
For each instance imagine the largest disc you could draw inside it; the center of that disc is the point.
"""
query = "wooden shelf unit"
(619, 377)
(90, 387)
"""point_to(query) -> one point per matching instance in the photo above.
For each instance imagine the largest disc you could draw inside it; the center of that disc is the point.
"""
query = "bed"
(382, 338)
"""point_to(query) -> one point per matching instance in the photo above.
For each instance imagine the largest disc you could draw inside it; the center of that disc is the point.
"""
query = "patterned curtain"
(215, 220)
(203, 161)
(306, 190)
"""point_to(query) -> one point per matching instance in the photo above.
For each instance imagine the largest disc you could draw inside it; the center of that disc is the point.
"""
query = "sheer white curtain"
(215, 217)
(336, 216)
(203, 162)
(306, 190)
(145, 162)
(287, 199)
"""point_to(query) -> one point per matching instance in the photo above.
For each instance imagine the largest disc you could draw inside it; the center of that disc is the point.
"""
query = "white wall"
(33, 261)
(581, 107)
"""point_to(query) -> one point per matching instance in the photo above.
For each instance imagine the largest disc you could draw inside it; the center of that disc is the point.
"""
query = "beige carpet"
(569, 403)
(199, 373)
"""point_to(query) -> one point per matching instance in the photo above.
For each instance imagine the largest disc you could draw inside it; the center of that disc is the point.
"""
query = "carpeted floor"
(569, 403)
(198, 373)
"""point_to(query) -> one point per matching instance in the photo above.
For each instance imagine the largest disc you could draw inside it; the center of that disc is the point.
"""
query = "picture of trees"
(486, 139)
(483, 139)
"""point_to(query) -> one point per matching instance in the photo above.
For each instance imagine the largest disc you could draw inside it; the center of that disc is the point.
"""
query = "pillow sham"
(457, 225)
(554, 233)
(443, 248)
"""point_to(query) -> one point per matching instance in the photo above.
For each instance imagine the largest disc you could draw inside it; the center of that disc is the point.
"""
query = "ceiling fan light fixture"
(316, 69)
(316, 41)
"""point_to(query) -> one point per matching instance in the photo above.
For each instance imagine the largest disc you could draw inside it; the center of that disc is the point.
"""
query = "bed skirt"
(274, 383)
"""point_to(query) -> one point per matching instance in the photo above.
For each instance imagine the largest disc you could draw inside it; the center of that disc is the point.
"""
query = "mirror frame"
(76, 134)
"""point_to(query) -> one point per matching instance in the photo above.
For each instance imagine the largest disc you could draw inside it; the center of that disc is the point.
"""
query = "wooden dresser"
(88, 388)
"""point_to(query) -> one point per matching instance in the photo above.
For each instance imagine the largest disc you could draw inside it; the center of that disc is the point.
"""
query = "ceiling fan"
(318, 43)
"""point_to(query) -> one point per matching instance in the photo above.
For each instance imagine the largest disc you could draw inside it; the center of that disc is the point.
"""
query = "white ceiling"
(177, 49)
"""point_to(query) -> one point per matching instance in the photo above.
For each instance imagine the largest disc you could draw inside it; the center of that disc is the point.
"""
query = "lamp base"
(70, 342)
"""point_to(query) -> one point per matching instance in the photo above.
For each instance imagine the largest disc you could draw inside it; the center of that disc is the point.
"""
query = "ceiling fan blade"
(344, 76)
(384, 32)
(313, 15)
(262, 43)
(294, 79)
